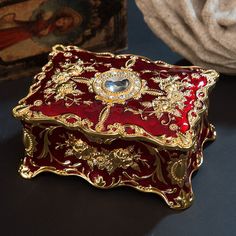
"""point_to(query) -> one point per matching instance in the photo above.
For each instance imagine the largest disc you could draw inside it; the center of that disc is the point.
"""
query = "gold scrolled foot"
(29, 170)
(183, 201)
(25, 172)
(178, 198)
(212, 133)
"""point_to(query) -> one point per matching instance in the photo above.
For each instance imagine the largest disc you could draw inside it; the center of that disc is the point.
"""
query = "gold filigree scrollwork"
(157, 174)
(131, 62)
(46, 151)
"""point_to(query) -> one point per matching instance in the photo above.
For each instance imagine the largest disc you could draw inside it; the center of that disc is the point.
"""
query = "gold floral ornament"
(75, 70)
(172, 101)
(59, 78)
(63, 84)
(108, 160)
(67, 91)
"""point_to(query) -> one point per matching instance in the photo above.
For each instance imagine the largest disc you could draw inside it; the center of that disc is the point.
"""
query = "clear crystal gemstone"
(117, 84)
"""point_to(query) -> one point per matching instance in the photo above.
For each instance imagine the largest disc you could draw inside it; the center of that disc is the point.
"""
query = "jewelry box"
(117, 120)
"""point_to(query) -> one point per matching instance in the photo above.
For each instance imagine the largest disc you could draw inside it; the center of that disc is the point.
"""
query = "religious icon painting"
(30, 29)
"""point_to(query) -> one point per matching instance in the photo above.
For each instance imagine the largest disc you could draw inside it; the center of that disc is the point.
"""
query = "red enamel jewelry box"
(117, 121)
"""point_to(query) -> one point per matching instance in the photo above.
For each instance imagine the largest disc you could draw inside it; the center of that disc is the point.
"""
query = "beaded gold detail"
(29, 142)
(177, 169)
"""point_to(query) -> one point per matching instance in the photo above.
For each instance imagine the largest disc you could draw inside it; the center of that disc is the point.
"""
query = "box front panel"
(108, 163)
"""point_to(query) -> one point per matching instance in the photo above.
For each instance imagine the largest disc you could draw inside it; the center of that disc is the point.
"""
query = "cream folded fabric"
(202, 31)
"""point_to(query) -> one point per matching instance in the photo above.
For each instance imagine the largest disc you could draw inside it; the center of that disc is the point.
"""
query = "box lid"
(119, 96)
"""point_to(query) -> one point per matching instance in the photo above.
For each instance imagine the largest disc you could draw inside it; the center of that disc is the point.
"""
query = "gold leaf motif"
(131, 62)
(157, 173)
(102, 117)
(146, 104)
(136, 167)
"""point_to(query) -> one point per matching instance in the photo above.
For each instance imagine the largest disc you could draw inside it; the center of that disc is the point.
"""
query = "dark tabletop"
(53, 205)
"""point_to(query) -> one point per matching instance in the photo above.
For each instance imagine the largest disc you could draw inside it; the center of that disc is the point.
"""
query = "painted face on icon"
(64, 23)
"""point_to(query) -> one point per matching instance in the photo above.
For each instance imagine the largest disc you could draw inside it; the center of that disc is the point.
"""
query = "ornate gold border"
(182, 141)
